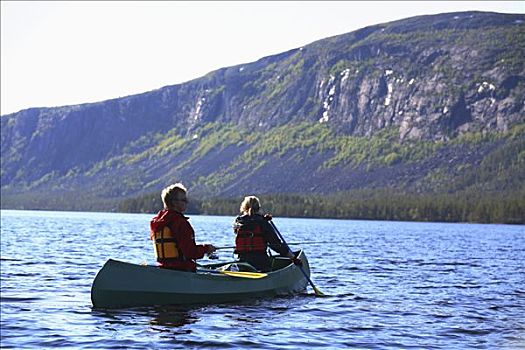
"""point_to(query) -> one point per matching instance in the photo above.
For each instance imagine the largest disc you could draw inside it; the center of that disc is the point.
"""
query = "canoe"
(120, 284)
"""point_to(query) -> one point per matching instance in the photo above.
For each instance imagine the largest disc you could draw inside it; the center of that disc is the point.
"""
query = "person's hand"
(210, 248)
(297, 262)
(268, 217)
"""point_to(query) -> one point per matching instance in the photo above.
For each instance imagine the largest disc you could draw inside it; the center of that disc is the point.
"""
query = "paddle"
(317, 291)
(291, 243)
(240, 274)
(245, 274)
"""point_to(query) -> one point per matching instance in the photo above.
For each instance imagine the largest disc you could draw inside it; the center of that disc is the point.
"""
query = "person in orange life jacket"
(175, 248)
(254, 235)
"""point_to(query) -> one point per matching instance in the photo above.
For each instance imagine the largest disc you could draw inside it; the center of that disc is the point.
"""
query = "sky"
(63, 53)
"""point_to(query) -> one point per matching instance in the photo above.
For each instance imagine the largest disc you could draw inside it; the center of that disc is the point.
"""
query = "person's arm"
(274, 242)
(186, 242)
(276, 245)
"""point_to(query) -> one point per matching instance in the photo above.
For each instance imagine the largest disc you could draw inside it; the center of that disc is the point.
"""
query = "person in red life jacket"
(254, 235)
(173, 236)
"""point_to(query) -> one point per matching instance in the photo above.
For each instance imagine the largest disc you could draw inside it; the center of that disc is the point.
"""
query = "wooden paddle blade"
(318, 292)
(243, 274)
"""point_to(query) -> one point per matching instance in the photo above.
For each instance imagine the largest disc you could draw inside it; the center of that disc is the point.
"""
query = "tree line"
(508, 208)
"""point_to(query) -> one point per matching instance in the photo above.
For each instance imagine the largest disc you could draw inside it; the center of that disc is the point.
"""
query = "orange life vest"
(165, 245)
(249, 238)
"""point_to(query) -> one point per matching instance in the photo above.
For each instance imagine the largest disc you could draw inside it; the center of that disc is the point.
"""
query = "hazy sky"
(61, 53)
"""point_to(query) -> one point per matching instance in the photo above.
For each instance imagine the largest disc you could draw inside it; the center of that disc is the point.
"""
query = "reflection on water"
(390, 285)
(166, 316)
(172, 316)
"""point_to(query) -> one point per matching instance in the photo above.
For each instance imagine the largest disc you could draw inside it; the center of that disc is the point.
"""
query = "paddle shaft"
(317, 291)
(292, 243)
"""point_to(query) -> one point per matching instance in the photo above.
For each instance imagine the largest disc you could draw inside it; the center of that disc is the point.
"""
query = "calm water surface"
(391, 285)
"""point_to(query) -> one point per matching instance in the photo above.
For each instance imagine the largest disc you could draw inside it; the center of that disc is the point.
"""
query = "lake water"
(390, 285)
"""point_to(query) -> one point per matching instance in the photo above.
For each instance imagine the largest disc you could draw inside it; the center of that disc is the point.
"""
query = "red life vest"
(249, 238)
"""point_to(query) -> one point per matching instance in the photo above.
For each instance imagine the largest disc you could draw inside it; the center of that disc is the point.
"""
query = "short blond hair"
(169, 194)
(250, 205)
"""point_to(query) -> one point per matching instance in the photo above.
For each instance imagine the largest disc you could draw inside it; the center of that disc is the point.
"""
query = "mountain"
(428, 105)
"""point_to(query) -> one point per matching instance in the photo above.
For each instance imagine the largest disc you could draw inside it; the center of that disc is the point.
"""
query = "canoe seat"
(279, 262)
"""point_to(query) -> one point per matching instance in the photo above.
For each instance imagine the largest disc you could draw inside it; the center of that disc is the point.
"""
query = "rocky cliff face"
(429, 78)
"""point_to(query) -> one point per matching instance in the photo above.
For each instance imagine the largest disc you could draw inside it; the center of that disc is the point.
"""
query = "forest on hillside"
(491, 192)
(364, 205)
